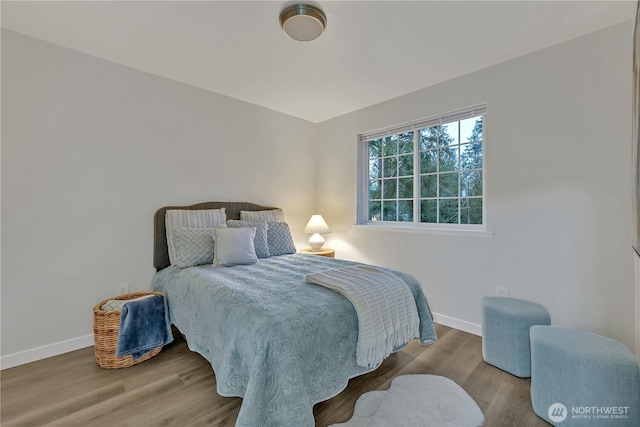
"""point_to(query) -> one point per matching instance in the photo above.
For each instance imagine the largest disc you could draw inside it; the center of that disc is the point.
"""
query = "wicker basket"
(105, 335)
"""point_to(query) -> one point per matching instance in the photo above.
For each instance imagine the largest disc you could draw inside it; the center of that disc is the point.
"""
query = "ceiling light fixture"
(303, 22)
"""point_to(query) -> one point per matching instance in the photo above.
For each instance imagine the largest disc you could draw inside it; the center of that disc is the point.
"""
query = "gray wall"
(90, 150)
(558, 188)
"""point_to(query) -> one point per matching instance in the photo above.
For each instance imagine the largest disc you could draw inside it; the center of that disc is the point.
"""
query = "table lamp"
(316, 226)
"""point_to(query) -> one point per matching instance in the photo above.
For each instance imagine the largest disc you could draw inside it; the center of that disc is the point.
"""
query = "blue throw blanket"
(280, 343)
(144, 325)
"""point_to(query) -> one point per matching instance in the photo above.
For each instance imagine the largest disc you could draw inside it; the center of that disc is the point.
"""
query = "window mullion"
(459, 177)
(365, 176)
(416, 176)
(438, 175)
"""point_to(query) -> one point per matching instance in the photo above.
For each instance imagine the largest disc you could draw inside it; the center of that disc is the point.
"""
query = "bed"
(277, 341)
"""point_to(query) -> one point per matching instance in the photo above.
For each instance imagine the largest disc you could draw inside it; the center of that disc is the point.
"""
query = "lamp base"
(316, 241)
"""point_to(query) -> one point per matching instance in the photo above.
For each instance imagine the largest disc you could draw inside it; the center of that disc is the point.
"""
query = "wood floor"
(177, 388)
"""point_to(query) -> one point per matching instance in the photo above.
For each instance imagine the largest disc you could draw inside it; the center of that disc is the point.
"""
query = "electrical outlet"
(501, 291)
(122, 288)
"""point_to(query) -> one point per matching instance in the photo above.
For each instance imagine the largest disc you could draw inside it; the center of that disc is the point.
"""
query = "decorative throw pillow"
(270, 215)
(279, 239)
(234, 246)
(193, 246)
(203, 218)
(260, 241)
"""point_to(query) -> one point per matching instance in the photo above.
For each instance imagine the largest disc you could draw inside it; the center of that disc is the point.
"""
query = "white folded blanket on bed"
(387, 313)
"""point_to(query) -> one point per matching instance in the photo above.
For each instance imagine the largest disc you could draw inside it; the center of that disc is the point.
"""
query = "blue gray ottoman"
(505, 332)
(579, 378)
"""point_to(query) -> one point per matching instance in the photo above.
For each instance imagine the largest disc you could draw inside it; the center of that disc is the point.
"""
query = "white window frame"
(362, 209)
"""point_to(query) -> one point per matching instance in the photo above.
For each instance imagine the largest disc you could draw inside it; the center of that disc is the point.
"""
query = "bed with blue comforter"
(273, 338)
(280, 343)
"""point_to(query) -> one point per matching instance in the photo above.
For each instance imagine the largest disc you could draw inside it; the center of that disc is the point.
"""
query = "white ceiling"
(371, 51)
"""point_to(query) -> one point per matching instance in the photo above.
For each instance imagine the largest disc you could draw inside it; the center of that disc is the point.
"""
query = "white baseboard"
(39, 353)
(463, 325)
(636, 264)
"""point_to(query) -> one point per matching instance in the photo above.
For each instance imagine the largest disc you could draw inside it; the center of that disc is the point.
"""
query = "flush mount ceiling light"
(302, 22)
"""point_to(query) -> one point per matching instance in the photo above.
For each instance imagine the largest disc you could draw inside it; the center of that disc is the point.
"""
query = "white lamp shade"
(317, 225)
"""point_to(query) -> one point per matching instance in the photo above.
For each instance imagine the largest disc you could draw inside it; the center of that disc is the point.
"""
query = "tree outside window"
(430, 174)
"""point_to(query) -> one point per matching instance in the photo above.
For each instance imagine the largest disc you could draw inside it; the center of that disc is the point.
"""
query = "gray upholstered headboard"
(160, 250)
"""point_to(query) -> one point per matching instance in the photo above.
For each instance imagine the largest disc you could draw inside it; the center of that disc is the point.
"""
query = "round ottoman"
(505, 332)
(579, 378)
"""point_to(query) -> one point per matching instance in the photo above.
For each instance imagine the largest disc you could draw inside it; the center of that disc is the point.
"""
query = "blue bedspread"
(280, 343)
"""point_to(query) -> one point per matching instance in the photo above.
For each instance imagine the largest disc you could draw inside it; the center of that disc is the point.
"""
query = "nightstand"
(329, 253)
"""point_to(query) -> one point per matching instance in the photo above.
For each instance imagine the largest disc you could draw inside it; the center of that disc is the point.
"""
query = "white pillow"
(260, 241)
(270, 215)
(234, 246)
(200, 218)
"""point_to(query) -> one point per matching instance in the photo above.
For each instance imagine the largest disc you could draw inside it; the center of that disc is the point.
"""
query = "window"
(428, 173)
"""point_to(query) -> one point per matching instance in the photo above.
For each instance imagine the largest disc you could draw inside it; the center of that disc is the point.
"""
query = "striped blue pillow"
(201, 218)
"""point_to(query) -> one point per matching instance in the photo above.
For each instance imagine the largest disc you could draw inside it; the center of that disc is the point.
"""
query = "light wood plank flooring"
(177, 388)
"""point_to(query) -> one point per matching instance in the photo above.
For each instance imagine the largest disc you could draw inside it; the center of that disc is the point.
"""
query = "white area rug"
(416, 401)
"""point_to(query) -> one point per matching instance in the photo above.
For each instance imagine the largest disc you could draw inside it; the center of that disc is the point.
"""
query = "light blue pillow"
(260, 241)
(279, 239)
(193, 246)
(234, 246)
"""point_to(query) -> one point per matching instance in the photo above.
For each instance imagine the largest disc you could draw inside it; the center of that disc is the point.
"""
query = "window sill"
(425, 230)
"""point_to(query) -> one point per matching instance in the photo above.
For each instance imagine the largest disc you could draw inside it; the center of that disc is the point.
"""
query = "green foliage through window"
(431, 175)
